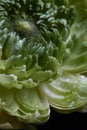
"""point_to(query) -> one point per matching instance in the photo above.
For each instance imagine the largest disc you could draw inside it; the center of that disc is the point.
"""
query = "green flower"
(43, 58)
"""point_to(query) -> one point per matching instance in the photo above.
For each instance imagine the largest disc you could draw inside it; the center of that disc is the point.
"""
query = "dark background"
(57, 121)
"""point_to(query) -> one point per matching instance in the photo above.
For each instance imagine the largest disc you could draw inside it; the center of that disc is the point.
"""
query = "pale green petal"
(67, 92)
(28, 105)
